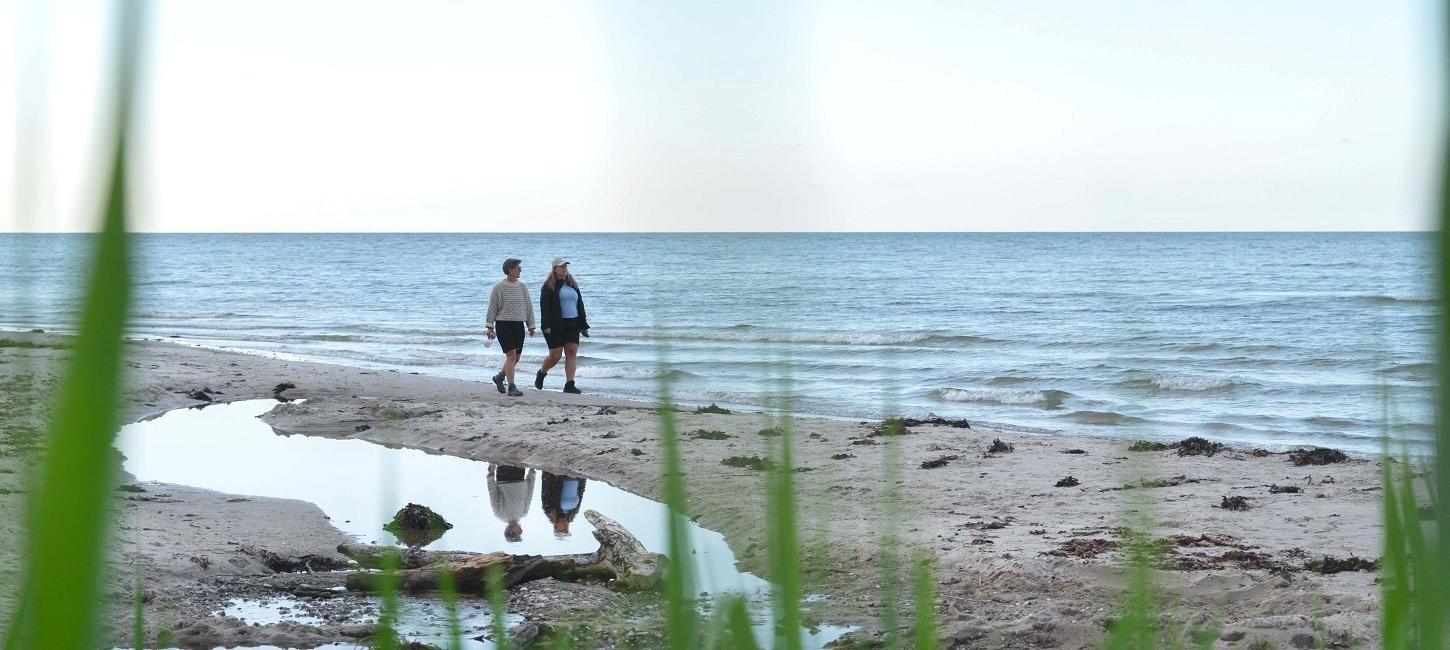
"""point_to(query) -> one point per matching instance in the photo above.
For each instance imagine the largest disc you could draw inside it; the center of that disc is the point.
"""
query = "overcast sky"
(604, 115)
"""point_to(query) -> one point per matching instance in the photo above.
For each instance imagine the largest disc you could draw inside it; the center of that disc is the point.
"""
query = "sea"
(1257, 339)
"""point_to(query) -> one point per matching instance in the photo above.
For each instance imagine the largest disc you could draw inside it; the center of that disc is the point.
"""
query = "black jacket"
(549, 314)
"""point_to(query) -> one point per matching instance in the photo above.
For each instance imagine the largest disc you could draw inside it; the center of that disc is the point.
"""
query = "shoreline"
(992, 520)
(1078, 430)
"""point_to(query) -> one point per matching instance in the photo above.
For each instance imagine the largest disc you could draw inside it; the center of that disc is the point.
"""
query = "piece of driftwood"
(622, 562)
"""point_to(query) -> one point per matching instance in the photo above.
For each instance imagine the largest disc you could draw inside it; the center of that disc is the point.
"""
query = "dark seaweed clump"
(1234, 503)
(702, 434)
(1070, 481)
(1317, 456)
(1144, 445)
(713, 409)
(1197, 446)
(999, 447)
(1330, 564)
(939, 462)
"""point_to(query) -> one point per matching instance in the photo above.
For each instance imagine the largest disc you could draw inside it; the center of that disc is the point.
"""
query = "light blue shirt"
(568, 494)
(568, 301)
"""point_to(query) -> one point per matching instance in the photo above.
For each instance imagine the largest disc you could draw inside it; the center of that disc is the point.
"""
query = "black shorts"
(510, 334)
(567, 331)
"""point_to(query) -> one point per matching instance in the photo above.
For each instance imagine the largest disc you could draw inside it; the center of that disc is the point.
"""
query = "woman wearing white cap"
(561, 311)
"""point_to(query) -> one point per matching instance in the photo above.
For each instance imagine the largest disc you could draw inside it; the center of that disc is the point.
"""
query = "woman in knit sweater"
(510, 308)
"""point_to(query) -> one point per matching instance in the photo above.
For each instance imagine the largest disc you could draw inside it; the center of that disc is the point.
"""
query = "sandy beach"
(1019, 560)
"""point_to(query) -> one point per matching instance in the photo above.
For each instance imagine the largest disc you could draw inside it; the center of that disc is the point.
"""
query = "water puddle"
(359, 485)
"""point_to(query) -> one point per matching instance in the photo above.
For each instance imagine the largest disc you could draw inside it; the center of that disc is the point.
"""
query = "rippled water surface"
(1279, 338)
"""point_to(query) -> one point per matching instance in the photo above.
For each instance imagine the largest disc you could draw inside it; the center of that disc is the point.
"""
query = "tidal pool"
(359, 485)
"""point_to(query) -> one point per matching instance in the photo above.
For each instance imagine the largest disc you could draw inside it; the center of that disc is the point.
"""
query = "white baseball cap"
(559, 261)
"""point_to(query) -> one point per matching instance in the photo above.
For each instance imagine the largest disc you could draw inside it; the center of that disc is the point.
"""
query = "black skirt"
(566, 331)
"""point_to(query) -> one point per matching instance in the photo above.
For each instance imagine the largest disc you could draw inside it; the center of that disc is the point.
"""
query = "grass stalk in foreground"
(68, 520)
(498, 605)
(680, 617)
(449, 589)
(924, 613)
(781, 542)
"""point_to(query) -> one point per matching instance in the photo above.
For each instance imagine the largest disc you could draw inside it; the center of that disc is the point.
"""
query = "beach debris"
(1206, 540)
(841, 456)
(309, 562)
(417, 525)
(772, 432)
(1144, 445)
(1084, 547)
(1260, 452)
(1070, 481)
(199, 396)
(703, 434)
(995, 524)
(746, 462)
(1155, 483)
(1317, 456)
(526, 633)
(757, 463)
(1037, 531)
(607, 410)
(282, 387)
(863, 441)
(1196, 446)
(556, 420)
(999, 447)
(1235, 503)
(1329, 564)
(621, 562)
(609, 434)
(939, 462)
(1077, 452)
(977, 541)
(1284, 489)
(712, 408)
(130, 487)
(361, 428)
(900, 426)
(636, 451)
(606, 451)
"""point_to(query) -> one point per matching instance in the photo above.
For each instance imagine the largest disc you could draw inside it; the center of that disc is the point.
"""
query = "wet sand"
(1020, 562)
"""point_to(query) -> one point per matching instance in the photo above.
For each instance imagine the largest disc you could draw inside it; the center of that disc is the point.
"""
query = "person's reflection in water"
(509, 491)
(562, 495)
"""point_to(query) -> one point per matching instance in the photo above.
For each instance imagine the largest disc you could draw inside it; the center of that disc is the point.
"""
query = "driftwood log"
(622, 562)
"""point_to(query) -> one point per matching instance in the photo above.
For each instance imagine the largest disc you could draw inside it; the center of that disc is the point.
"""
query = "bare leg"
(571, 360)
(551, 360)
(509, 363)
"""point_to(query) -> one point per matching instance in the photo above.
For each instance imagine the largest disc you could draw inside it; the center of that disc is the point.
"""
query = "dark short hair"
(510, 263)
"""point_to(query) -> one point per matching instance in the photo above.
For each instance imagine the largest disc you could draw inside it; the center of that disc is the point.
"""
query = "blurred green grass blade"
(1395, 587)
(386, 635)
(680, 616)
(498, 603)
(784, 550)
(925, 610)
(450, 608)
(740, 635)
(68, 519)
(1423, 573)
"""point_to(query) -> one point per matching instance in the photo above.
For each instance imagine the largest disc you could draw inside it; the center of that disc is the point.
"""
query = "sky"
(746, 115)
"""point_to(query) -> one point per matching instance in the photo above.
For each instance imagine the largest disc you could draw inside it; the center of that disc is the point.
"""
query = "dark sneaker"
(514, 391)
(498, 381)
(569, 387)
(539, 379)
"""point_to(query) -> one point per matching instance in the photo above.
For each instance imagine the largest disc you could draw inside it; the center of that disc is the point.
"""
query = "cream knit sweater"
(510, 301)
